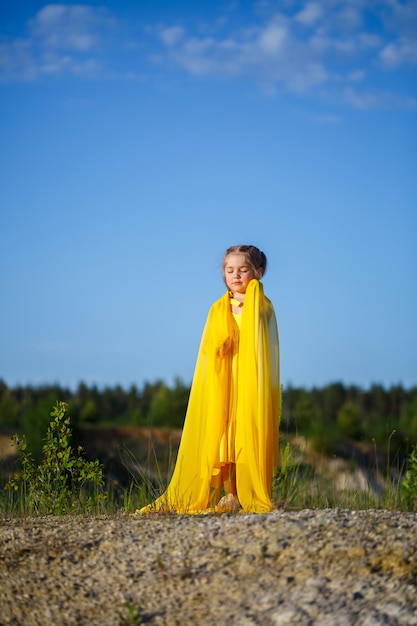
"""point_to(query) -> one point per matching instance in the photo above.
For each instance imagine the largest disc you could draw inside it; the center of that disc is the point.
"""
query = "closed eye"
(230, 270)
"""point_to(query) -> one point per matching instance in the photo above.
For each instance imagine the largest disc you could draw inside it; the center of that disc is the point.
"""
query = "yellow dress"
(233, 410)
(227, 442)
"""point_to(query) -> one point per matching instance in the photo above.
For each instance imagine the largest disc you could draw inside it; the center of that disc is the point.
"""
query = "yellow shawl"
(257, 409)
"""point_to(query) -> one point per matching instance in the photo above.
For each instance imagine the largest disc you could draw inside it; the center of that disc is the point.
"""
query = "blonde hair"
(254, 257)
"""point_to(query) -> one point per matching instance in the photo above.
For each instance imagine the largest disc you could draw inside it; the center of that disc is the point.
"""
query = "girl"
(230, 434)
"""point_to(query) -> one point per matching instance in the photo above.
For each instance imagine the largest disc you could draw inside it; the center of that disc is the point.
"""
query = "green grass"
(299, 484)
(64, 482)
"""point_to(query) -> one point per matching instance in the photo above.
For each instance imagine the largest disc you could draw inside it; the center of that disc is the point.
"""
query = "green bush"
(408, 488)
(63, 481)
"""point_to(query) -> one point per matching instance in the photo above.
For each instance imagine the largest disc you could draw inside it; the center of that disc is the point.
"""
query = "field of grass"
(131, 467)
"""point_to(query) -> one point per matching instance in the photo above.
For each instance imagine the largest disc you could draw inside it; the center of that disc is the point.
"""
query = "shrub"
(408, 487)
(63, 479)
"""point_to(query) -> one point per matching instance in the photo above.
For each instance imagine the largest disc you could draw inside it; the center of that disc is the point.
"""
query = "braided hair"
(254, 257)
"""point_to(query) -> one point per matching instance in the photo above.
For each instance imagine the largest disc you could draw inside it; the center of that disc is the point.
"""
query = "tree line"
(324, 415)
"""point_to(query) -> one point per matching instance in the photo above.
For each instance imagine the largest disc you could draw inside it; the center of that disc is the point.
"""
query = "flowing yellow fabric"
(256, 403)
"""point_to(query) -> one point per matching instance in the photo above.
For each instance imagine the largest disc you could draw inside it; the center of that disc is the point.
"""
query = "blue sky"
(140, 139)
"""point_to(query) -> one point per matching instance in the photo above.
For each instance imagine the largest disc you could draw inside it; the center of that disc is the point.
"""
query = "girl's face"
(237, 273)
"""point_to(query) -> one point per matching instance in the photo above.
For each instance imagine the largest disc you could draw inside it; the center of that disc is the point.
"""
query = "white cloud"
(356, 76)
(272, 39)
(310, 14)
(369, 40)
(171, 36)
(368, 100)
(16, 58)
(307, 77)
(61, 39)
(276, 54)
(311, 46)
(400, 16)
(269, 55)
(50, 14)
(344, 46)
(196, 47)
(399, 53)
(361, 100)
(390, 55)
(349, 17)
(399, 49)
(71, 27)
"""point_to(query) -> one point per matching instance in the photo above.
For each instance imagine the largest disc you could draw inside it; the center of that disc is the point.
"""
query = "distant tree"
(349, 421)
(311, 423)
(35, 422)
(9, 407)
(160, 407)
(376, 402)
(307, 416)
(169, 406)
(179, 400)
(408, 421)
(319, 414)
(330, 400)
(149, 391)
(135, 412)
(396, 401)
(353, 394)
(89, 413)
(290, 398)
